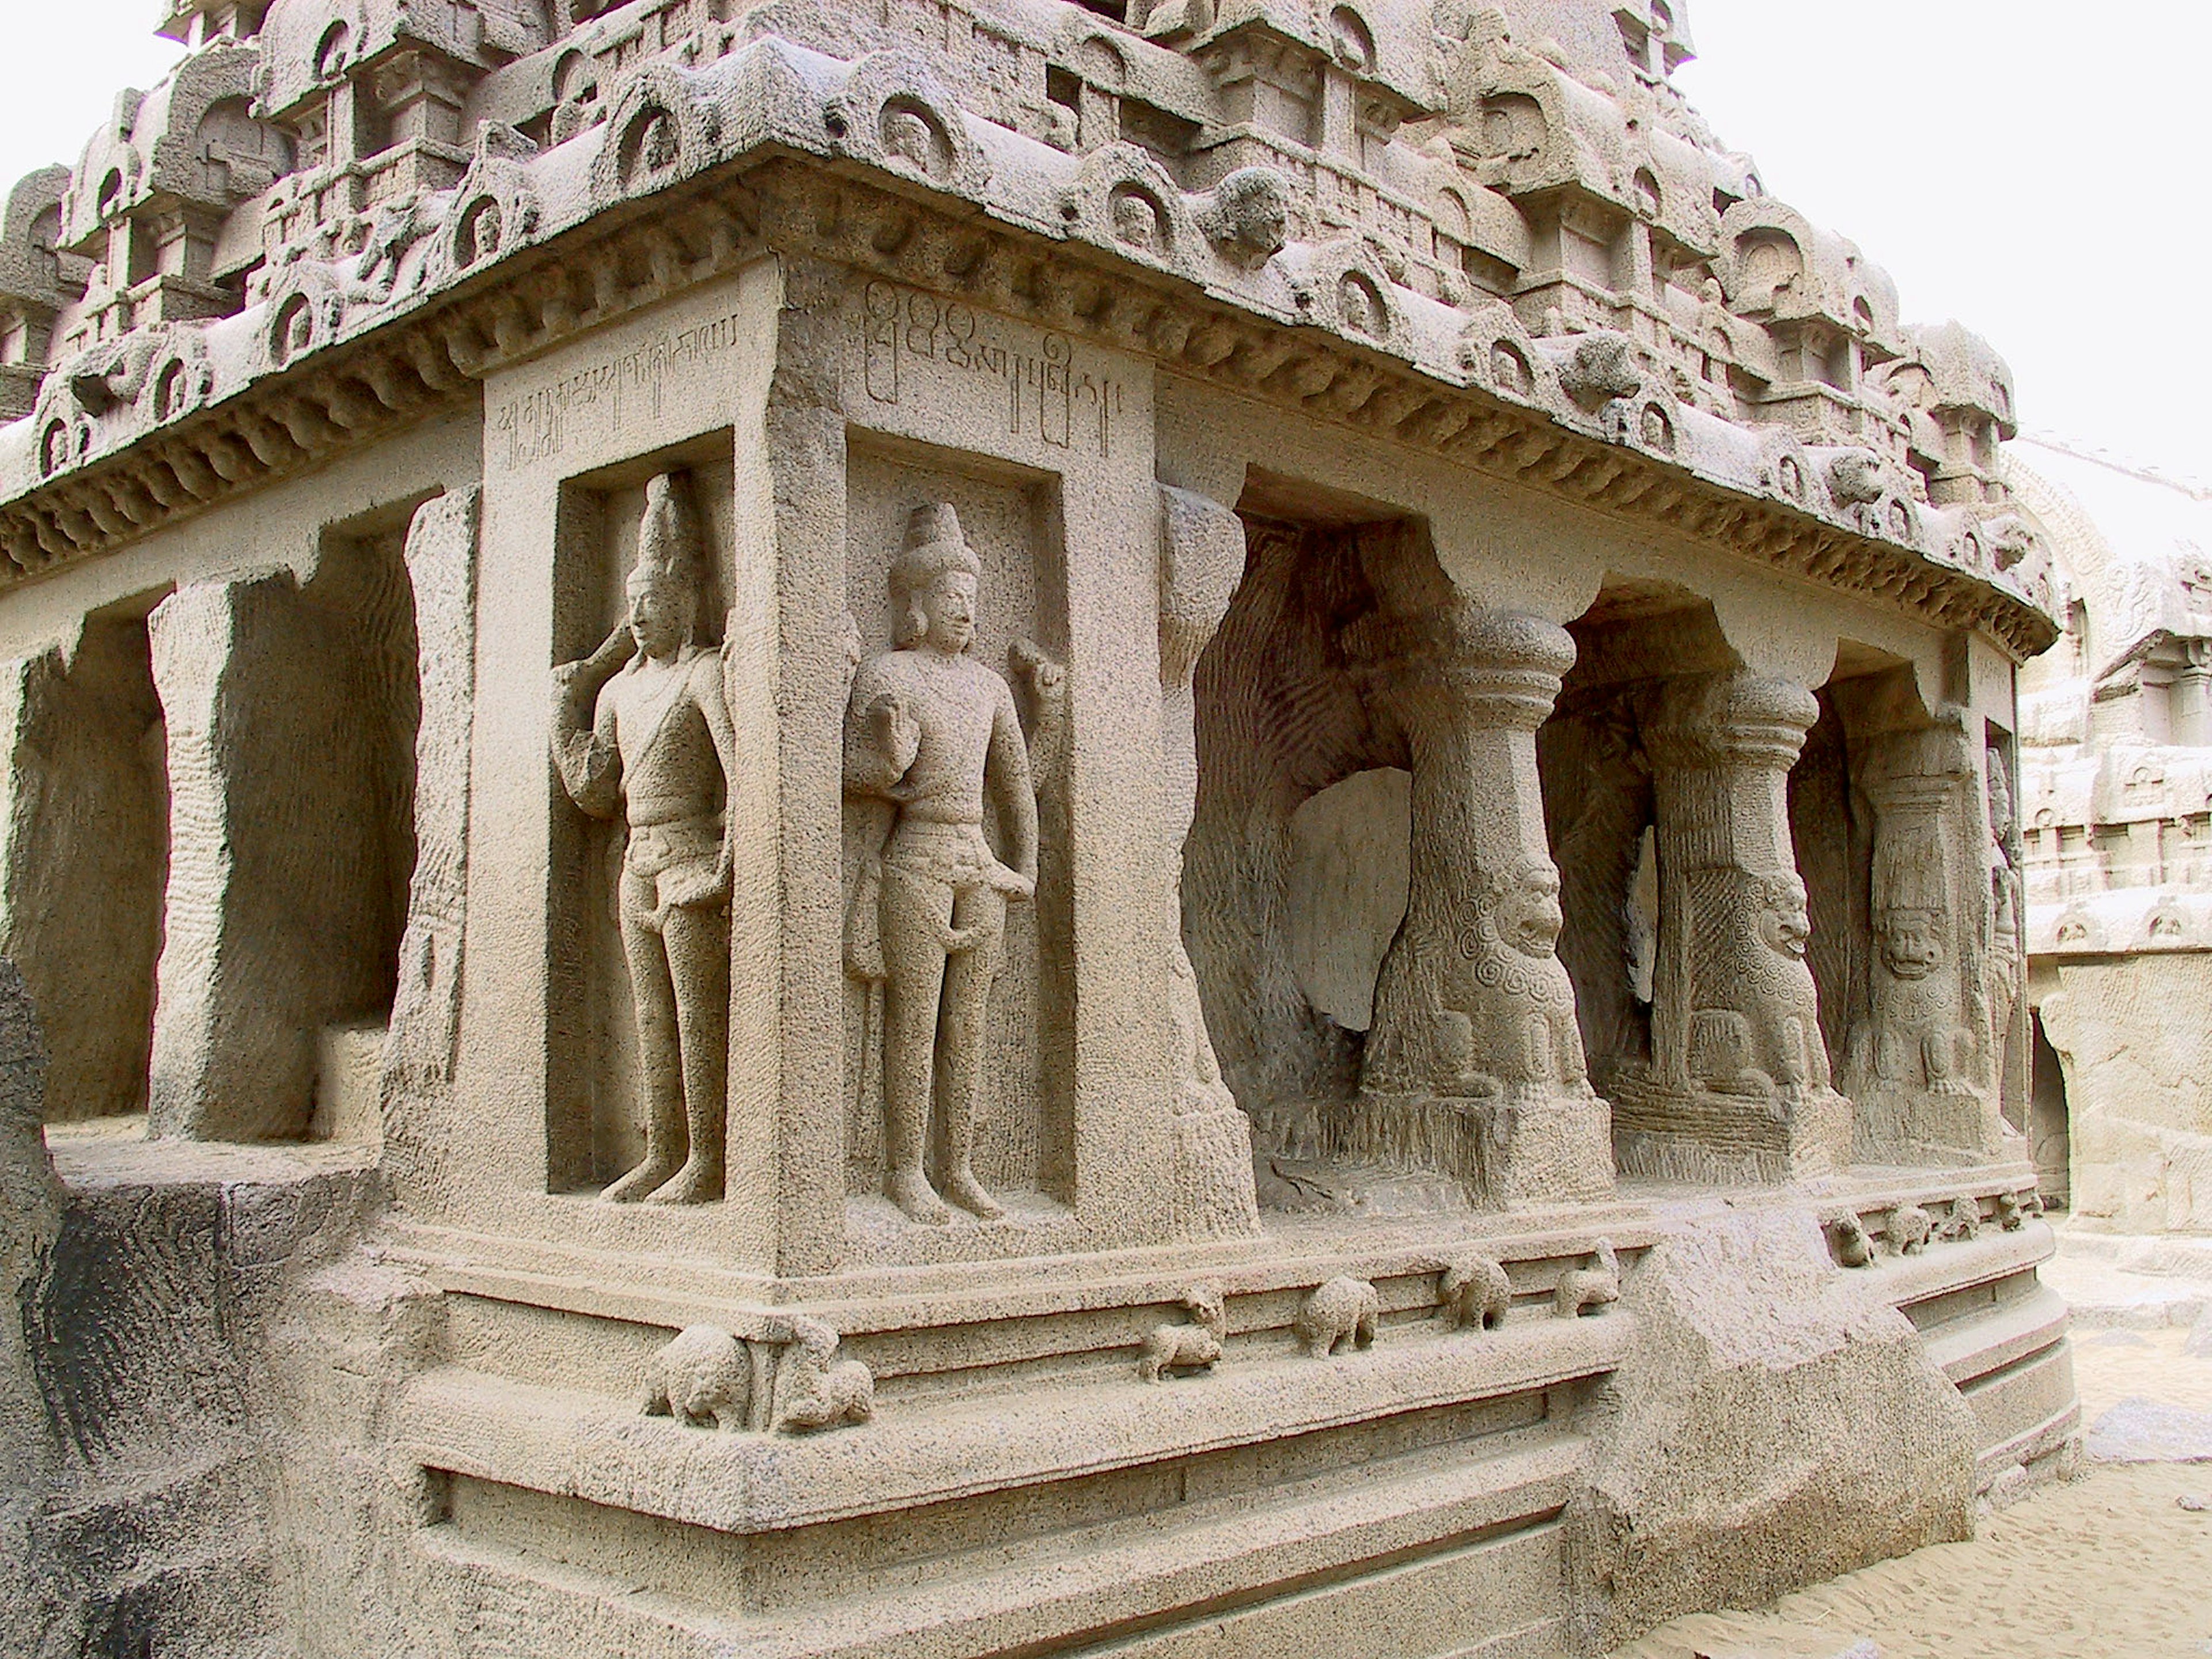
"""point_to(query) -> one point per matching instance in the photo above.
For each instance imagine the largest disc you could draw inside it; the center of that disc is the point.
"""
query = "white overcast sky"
(2031, 166)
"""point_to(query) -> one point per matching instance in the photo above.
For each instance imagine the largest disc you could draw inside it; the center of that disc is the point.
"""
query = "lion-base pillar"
(1738, 1084)
(1474, 1064)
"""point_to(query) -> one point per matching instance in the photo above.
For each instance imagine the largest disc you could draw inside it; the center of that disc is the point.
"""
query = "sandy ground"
(2109, 1566)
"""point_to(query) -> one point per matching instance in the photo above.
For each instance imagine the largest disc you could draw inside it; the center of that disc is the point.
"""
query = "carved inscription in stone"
(1053, 394)
(623, 388)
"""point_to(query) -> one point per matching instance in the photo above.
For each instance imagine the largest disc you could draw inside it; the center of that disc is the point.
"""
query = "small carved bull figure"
(816, 1391)
(1964, 1220)
(702, 1377)
(1194, 1346)
(1908, 1229)
(1476, 1292)
(1343, 1313)
(1848, 1241)
(1584, 1288)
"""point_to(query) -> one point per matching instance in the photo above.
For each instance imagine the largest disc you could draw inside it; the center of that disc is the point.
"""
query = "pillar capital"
(1495, 668)
(1741, 718)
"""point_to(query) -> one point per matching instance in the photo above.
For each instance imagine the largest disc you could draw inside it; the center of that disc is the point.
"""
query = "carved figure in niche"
(398, 226)
(702, 1377)
(1194, 1346)
(1339, 1314)
(1476, 1293)
(1583, 1290)
(1778, 1053)
(1247, 216)
(1515, 1005)
(814, 1390)
(2007, 962)
(641, 728)
(1848, 1241)
(929, 733)
(1908, 1229)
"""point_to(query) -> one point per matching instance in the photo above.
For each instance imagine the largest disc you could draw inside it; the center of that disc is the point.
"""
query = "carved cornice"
(1328, 356)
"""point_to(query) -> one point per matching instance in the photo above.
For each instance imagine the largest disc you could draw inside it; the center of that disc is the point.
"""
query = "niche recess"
(1295, 871)
(85, 885)
(1025, 1128)
(595, 1124)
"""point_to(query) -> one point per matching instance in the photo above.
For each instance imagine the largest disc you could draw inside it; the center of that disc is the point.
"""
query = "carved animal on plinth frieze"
(1586, 1290)
(702, 1377)
(2014, 1209)
(1848, 1241)
(1193, 1346)
(1964, 1220)
(1476, 1292)
(816, 1390)
(1908, 1229)
(1340, 1313)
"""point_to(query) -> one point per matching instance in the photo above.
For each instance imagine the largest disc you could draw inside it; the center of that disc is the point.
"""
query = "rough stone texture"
(2139, 1430)
(1771, 1424)
(31, 1205)
(2140, 1118)
(85, 817)
(426, 1014)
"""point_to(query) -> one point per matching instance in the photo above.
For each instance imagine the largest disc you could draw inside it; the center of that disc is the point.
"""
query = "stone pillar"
(1738, 1086)
(1474, 1061)
(1921, 1067)
(1201, 562)
(425, 1028)
(276, 890)
(82, 842)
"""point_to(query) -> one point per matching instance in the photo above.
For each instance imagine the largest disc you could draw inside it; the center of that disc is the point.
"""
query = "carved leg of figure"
(979, 914)
(915, 915)
(698, 943)
(660, 1063)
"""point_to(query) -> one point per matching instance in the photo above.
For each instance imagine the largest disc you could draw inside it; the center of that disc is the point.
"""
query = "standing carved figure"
(2007, 961)
(641, 729)
(930, 733)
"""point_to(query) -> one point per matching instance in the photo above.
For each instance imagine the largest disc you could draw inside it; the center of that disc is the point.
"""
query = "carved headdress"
(935, 544)
(668, 544)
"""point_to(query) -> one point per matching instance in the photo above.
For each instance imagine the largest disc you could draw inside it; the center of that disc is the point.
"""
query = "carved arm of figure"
(584, 744)
(1046, 680)
(1007, 770)
(880, 744)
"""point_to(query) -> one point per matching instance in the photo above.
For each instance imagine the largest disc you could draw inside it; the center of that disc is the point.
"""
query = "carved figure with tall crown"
(642, 727)
(930, 735)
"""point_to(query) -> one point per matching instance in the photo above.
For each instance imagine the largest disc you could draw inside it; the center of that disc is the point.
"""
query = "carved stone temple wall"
(1043, 829)
(2110, 876)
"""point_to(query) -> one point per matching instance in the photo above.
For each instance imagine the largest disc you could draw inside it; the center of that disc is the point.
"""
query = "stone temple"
(989, 827)
(2116, 730)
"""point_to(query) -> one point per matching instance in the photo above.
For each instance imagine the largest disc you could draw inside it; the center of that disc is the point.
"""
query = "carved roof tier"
(1496, 231)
